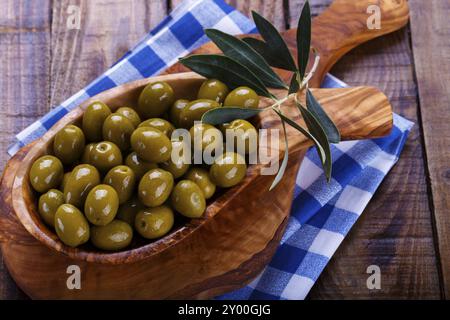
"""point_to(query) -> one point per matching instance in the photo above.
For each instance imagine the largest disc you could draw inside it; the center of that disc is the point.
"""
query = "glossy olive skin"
(112, 237)
(244, 133)
(153, 223)
(204, 136)
(64, 180)
(123, 180)
(93, 119)
(118, 129)
(178, 167)
(187, 198)
(194, 111)
(130, 114)
(155, 187)
(127, 212)
(71, 226)
(243, 97)
(86, 157)
(201, 178)
(105, 155)
(175, 111)
(82, 179)
(228, 169)
(138, 165)
(213, 89)
(158, 123)
(101, 205)
(151, 144)
(68, 145)
(155, 99)
(49, 202)
(46, 173)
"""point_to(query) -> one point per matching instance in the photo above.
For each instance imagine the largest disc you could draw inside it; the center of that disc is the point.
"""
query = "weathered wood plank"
(430, 33)
(24, 82)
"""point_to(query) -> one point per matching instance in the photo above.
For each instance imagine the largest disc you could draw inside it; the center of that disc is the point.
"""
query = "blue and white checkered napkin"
(322, 214)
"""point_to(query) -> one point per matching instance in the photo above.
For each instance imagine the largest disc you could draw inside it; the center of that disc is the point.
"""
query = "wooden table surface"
(405, 229)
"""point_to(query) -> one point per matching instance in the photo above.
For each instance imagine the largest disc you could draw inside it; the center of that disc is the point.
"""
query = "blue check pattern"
(322, 214)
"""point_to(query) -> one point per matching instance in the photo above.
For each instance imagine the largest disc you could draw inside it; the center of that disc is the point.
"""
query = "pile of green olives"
(114, 174)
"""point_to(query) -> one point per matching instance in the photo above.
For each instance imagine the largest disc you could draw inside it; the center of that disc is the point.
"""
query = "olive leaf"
(274, 41)
(303, 39)
(270, 55)
(294, 86)
(227, 114)
(321, 116)
(243, 53)
(283, 166)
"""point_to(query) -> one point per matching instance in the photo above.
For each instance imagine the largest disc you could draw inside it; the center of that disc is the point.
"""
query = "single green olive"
(123, 180)
(187, 198)
(194, 111)
(244, 134)
(127, 212)
(228, 169)
(114, 236)
(155, 99)
(243, 97)
(175, 111)
(46, 173)
(213, 89)
(68, 145)
(101, 205)
(201, 178)
(151, 144)
(205, 136)
(93, 119)
(138, 165)
(181, 164)
(152, 223)
(82, 179)
(86, 157)
(118, 129)
(130, 114)
(155, 187)
(105, 155)
(71, 226)
(49, 202)
(162, 125)
(64, 180)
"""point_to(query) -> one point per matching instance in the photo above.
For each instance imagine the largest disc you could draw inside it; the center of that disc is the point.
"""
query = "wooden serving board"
(225, 267)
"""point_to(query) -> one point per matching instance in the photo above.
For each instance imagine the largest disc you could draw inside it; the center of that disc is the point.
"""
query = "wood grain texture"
(431, 45)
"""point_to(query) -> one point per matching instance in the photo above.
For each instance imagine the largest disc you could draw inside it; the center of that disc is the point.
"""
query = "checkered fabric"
(322, 214)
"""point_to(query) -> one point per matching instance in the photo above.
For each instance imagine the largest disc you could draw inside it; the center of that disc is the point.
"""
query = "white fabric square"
(226, 24)
(297, 288)
(326, 242)
(308, 173)
(353, 199)
(383, 162)
(344, 146)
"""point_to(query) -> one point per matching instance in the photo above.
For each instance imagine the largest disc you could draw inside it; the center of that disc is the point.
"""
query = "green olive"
(71, 226)
(82, 179)
(122, 179)
(194, 111)
(213, 89)
(93, 119)
(130, 114)
(175, 111)
(101, 205)
(244, 134)
(152, 223)
(155, 187)
(64, 180)
(49, 202)
(105, 155)
(201, 178)
(181, 164)
(228, 169)
(162, 125)
(127, 212)
(46, 173)
(151, 144)
(118, 129)
(205, 136)
(68, 144)
(155, 99)
(138, 165)
(112, 237)
(86, 157)
(243, 97)
(187, 198)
